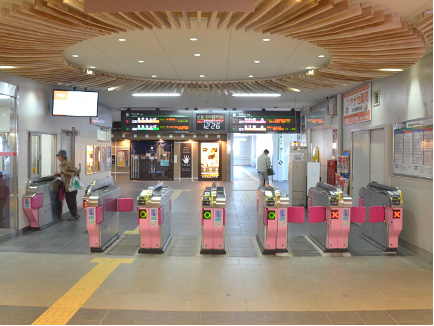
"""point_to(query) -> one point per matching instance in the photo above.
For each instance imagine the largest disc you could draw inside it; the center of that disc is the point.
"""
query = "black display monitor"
(154, 122)
(265, 122)
(210, 122)
(75, 103)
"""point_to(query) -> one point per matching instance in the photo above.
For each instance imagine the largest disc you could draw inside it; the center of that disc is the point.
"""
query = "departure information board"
(263, 122)
(210, 122)
(146, 121)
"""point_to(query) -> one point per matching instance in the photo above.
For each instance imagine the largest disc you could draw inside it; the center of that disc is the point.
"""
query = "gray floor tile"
(23, 320)
(152, 318)
(6, 310)
(312, 317)
(216, 318)
(404, 315)
(344, 317)
(74, 321)
(280, 317)
(184, 318)
(91, 314)
(117, 317)
(248, 318)
(426, 314)
(415, 323)
(373, 316)
(31, 312)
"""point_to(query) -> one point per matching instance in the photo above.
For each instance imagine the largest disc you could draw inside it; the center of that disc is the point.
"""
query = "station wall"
(34, 114)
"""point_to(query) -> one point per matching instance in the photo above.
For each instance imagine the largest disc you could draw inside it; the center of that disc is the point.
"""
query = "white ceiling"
(225, 55)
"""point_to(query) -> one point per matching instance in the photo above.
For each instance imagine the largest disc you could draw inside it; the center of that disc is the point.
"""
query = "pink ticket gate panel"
(154, 207)
(384, 206)
(273, 218)
(102, 204)
(213, 220)
(43, 202)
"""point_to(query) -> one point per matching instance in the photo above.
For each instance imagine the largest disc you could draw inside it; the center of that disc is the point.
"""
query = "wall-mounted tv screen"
(75, 103)
(153, 121)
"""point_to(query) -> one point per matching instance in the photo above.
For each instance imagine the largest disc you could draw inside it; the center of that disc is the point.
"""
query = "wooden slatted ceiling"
(359, 39)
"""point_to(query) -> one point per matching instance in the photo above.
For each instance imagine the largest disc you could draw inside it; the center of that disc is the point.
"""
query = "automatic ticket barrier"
(43, 202)
(384, 217)
(213, 220)
(330, 215)
(102, 204)
(274, 213)
(154, 206)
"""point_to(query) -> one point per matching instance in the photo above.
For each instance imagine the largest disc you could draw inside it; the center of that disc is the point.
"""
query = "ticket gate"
(384, 215)
(213, 220)
(43, 202)
(102, 204)
(154, 206)
(330, 215)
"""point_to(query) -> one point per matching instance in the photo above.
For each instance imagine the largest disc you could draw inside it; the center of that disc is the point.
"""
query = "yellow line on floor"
(66, 307)
(175, 194)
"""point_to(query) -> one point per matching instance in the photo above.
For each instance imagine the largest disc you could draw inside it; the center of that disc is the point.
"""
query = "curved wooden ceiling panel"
(34, 34)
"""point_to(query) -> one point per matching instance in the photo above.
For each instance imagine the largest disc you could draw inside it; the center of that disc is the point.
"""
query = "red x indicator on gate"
(396, 214)
(335, 215)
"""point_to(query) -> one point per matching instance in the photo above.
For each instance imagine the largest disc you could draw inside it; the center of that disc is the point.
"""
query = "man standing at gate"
(67, 171)
(263, 163)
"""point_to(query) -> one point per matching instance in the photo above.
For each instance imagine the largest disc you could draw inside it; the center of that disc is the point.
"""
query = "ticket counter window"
(42, 155)
(151, 160)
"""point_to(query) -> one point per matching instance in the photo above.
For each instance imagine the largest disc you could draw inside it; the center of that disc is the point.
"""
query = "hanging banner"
(357, 105)
(186, 151)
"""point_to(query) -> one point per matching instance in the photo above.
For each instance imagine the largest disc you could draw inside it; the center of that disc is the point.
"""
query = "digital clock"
(210, 122)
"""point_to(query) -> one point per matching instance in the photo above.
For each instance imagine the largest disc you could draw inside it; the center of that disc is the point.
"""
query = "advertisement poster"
(122, 155)
(210, 168)
(186, 157)
(357, 105)
(89, 159)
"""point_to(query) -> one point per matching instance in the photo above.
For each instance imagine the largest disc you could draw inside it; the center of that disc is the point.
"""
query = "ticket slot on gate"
(154, 206)
(43, 202)
(330, 214)
(273, 217)
(384, 206)
(213, 220)
(102, 204)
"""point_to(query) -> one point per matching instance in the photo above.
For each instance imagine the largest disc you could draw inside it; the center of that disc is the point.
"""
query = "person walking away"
(263, 163)
(67, 171)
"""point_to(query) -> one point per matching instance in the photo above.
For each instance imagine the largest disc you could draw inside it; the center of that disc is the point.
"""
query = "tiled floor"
(181, 286)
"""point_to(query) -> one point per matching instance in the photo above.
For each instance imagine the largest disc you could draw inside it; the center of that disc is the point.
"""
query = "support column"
(340, 112)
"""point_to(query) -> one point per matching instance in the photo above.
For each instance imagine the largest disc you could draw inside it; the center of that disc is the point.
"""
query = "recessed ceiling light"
(202, 76)
(154, 76)
(266, 39)
(197, 54)
(294, 90)
(92, 67)
(321, 56)
(308, 67)
(391, 69)
(256, 95)
(75, 55)
(111, 89)
(140, 61)
(89, 71)
(122, 40)
(311, 72)
(7, 67)
(193, 39)
(156, 94)
(250, 76)
(256, 61)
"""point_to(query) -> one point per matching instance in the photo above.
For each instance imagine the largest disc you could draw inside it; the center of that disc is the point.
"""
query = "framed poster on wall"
(210, 161)
(122, 157)
(89, 159)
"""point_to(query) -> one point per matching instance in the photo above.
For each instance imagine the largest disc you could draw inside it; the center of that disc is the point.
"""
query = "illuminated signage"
(335, 215)
(151, 121)
(263, 122)
(396, 214)
(210, 161)
(210, 122)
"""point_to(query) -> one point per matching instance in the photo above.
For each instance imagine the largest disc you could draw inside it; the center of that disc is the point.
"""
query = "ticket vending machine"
(274, 214)
(43, 202)
(154, 206)
(330, 215)
(102, 204)
(384, 215)
(213, 220)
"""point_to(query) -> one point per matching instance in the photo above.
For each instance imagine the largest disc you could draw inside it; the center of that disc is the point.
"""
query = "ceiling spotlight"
(122, 40)
(391, 69)
(250, 76)
(89, 71)
(321, 56)
(75, 55)
(111, 89)
(202, 76)
(197, 54)
(92, 67)
(311, 72)
(295, 90)
(140, 61)
(193, 39)
(154, 76)
(256, 61)
(266, 39)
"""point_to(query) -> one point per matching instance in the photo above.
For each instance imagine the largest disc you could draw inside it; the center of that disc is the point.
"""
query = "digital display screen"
(263, 122)
(210, 161)
(75, 103)
(210, 122)
(146, 121)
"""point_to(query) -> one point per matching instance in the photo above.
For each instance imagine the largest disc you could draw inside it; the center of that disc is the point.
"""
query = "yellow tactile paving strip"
(66, 307)
(175, 194)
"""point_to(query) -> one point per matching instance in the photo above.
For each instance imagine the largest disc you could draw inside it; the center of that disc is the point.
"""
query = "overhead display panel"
(265, 122)
(154, 122)
(206, 122)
